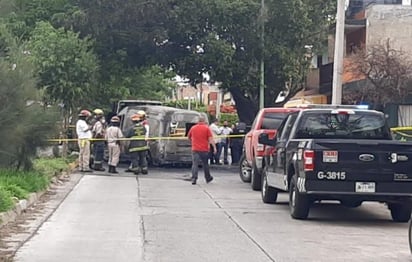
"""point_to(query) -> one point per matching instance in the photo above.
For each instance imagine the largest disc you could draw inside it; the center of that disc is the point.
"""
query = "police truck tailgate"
(361, 166)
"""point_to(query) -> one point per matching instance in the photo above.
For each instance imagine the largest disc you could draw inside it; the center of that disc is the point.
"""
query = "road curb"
(22, 205)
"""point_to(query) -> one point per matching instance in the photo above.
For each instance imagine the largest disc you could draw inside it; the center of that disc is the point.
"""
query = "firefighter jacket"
(138, 135)
(98, 129)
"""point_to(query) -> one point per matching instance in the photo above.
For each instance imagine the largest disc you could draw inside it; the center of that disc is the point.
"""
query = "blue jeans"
(224, 146)
(214, 158)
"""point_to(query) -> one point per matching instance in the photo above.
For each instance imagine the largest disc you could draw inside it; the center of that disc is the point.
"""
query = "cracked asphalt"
(161, 217)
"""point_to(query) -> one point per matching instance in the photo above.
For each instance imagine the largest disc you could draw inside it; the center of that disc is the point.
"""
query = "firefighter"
(84, 135)
(145, 123)
(138, 145)
(113, 134)
(98, 145)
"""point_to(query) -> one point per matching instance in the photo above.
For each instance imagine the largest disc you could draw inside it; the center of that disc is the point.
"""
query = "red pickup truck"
(251, 164)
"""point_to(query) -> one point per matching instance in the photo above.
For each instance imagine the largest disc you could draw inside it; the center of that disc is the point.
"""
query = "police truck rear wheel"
(410, 235)
(400, 212)
(244, 170)
(269, 194)
(299, 204)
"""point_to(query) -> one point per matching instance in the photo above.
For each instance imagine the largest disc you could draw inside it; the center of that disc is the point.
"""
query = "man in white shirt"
(84, 134)
(214, 157)
(225, 131)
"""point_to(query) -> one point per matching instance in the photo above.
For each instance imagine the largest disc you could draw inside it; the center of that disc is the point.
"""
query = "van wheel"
(256, 178)
(400, 212)
(269, 194)
(299, 204)
(244, 169)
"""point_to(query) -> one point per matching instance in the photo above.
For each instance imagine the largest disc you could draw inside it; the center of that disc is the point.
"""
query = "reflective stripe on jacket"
(138, 142)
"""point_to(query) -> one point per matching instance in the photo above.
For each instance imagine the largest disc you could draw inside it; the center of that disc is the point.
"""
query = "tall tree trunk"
(246, 107)
(66, 124)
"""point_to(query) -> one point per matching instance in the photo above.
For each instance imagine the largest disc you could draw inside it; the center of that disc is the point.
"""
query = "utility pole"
(339, 51)
(262, 60)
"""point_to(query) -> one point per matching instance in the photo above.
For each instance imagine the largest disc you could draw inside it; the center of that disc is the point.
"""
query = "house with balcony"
(367, 23)
(207, 94)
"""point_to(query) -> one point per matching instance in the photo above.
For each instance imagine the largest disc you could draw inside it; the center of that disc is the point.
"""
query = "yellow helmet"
(135, 117)
(98, 111)
(141, 113)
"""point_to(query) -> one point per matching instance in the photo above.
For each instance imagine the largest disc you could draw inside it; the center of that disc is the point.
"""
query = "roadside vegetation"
(18, 184)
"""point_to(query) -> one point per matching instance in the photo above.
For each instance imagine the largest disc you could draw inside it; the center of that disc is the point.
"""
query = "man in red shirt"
(201, 136)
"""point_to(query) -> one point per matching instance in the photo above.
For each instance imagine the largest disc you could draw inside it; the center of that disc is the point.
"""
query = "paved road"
(160, 217)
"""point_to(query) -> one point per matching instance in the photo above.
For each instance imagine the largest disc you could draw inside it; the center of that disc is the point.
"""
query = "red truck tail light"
(260, 147)
(309, 160)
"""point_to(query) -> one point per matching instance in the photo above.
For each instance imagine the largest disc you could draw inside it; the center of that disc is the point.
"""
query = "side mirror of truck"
(265, 140)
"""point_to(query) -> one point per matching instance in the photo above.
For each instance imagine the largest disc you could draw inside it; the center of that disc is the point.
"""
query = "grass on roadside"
(6, 201)
(49, 166)
(18, 184)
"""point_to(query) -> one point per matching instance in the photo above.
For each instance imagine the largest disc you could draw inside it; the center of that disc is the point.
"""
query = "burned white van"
(168, 130)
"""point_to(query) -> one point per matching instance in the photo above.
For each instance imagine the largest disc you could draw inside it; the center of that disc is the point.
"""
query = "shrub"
(16, 191)
(15, 183)
(231, 118)
(29, 181)
(49, 166)
(6, 201)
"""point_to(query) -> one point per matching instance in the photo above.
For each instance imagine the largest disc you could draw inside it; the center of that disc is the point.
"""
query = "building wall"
(200, 94)
(390, 21)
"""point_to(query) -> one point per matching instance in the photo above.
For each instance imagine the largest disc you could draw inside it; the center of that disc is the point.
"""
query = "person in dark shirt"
(236, 143)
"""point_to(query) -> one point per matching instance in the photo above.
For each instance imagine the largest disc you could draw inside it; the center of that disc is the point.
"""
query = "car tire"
(269, 194)
(256, 178)
(299, 204)
(410, 235)
(400, 212)
(244, 169)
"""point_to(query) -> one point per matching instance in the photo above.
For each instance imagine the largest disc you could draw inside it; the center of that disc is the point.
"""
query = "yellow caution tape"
(59, 140)
(402, 128)
(398, 131)
(403, 134)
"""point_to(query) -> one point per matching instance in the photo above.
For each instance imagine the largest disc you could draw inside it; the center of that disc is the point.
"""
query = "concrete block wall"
(390, 21)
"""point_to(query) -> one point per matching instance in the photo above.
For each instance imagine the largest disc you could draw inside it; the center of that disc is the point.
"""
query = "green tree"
(66, 65)
(26, 13)
(26, 123)
(220, 37)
